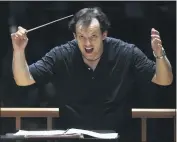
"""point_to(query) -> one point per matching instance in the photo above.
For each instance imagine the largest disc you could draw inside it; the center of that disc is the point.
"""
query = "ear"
(104, 35)
(74, 35)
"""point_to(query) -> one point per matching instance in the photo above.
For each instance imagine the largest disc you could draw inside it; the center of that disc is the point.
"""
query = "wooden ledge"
(29, 112)
(54, 112)
(153, 113)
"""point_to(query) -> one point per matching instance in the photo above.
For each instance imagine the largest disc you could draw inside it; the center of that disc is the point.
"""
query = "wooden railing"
(50, 113)
(144, 114)
(19, 113)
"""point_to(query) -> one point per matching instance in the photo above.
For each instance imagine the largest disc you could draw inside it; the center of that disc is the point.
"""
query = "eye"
(81, 36)
(94, 36)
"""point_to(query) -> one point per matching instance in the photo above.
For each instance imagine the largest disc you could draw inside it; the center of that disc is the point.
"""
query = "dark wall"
(4, 28)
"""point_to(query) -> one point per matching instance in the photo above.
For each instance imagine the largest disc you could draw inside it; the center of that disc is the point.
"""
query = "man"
(94, 74)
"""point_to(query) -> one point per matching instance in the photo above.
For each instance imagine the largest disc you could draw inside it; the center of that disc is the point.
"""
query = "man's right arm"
(21, 73)
(20, 68)
(39, 72)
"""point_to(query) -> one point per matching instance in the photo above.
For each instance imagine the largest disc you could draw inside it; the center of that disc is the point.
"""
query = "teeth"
(88, 48)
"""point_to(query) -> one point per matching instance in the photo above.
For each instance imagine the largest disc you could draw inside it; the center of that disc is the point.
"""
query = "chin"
(88, 56)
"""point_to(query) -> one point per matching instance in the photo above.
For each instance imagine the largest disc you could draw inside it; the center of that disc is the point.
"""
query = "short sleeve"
(44, 69)
(144, 68)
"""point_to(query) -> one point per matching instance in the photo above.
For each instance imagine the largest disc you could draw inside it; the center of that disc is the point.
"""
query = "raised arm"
(163, 75)
(159, 72)
(20, 69)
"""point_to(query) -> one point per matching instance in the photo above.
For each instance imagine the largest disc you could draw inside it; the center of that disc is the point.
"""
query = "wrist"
(18, 51)
(160, 54)
(18, 54)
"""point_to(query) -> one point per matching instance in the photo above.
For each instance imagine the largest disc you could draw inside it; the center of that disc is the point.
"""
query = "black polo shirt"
(94, 99)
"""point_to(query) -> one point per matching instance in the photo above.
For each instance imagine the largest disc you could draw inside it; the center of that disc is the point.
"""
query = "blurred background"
(130, 21)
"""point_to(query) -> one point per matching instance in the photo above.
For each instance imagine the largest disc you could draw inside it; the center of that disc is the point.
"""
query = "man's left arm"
(163, 74)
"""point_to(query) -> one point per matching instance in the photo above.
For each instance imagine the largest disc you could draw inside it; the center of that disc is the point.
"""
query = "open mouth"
(89, 50)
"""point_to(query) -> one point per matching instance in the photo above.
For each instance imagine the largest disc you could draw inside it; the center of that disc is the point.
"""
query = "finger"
(160, 45)
(25, 38)
(14, 36)
(156, 41)
(21, 34)
(154, 32)
(155, 36)
(18, 36)
(22, 29)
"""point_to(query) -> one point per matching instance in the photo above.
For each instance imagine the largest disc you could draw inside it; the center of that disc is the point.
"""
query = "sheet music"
(93, 134)
(39, 133)
(65, 132)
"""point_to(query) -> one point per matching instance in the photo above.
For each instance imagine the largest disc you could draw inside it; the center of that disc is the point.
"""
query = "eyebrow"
(94, 33)
(79, 33)
(91, 33)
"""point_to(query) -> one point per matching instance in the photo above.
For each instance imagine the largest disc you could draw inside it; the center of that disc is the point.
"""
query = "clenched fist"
(19, 39)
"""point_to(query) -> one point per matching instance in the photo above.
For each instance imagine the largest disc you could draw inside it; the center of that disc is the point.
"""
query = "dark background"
(130, 21)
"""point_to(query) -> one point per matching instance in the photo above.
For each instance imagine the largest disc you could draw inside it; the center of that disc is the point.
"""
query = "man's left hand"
(156, 42)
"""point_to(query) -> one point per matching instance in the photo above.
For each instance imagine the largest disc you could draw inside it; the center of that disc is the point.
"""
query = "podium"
(49, 113)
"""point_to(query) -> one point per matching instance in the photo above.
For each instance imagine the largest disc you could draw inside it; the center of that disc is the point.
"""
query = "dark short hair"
(86, 15)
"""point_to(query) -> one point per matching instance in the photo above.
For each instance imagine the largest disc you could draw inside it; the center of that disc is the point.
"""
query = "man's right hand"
(19, 39)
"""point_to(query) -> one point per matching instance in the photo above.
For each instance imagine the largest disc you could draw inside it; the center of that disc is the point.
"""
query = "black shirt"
(96, 99)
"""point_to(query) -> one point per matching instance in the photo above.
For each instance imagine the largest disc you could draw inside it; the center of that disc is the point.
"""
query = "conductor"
(93, 73)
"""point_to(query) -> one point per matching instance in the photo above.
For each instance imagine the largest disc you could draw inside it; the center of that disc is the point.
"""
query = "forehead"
(83, 28)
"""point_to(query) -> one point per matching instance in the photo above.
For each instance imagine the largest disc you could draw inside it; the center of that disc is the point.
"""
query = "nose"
(87, 42)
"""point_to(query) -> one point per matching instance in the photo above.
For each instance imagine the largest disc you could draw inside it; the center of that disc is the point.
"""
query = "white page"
(39, 133)
(93, 134)
(70, 131)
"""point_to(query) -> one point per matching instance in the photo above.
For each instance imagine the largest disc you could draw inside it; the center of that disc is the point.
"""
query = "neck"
(92, 63)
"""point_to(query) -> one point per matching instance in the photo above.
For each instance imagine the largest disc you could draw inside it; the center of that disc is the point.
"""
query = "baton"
(48, 24)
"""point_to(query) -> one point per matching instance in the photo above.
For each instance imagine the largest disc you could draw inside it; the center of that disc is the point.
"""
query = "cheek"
(80, 41)
(98, 42)
(80, 44)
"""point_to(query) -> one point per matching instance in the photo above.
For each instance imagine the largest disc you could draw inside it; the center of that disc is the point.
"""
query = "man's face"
(90, 39)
